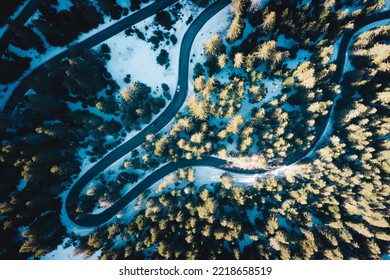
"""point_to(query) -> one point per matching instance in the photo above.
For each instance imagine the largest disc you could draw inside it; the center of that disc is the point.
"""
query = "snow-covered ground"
(282, 41)
(2, 30)
(67, 252)
(131, 55)
(205, 174)
(303, 3)
(63, 5)
(336, 47)
(387, 5)
(22, 184)
(274, 88)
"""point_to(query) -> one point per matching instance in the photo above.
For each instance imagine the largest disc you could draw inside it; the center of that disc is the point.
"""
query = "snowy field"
(131, 55)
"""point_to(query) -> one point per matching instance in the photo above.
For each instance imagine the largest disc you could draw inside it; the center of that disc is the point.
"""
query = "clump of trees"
(163, 58)
(111, 8)
(41, 146)
(24, 37)
(12, 67)
(201, 3)
(237, 26)
(332, 207)
(8, 9)
(61, 28)
(308, 213)
(138, 105)
(104, 192)
(164, 19)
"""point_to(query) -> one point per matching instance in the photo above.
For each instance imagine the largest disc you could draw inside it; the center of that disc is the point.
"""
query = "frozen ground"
(205, 174)
(63, 5)
(67, 252)
(131, 55)
(336, 47)
(302, 56)
(282, 41)
(22, 184)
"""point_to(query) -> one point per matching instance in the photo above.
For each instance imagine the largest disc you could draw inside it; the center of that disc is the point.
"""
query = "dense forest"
(331, 206)
(256, 100)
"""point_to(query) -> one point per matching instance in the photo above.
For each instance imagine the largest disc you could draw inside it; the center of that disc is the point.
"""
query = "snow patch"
(22, 184)
(206, 175)
(284, 42)
(19, 10)
(336, 47)
(63, 5)
(302, 56)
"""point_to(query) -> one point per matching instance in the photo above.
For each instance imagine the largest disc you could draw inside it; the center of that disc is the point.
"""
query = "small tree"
(163, 58)
(213, 46)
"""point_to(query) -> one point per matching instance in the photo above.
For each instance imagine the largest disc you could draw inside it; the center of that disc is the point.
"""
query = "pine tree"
(269, 21)
(198, 108)
(238, 60)
(222, 59)
(213, 46)
(127, 95)
(236, 28)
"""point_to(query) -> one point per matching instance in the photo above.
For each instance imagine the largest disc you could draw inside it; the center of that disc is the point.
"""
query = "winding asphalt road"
(153, 128)
(92, 220)
(89, 220)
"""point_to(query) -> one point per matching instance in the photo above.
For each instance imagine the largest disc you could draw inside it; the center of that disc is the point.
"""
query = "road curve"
(154, 127)
(91, 220)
